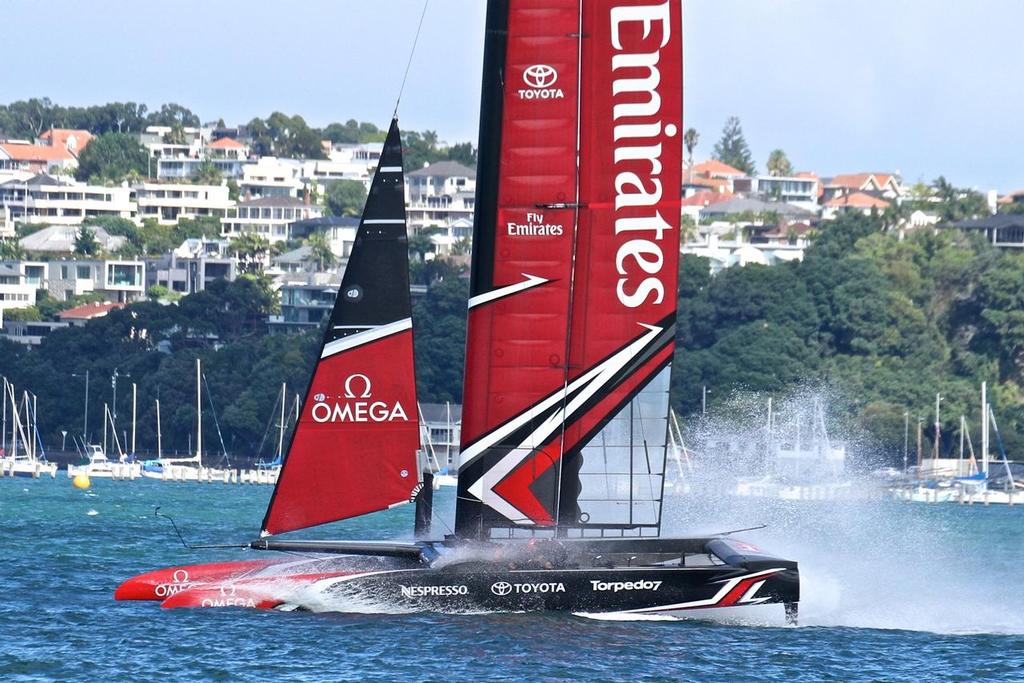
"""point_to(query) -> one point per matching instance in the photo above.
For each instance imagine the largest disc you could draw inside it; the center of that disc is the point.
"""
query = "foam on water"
(871, 563)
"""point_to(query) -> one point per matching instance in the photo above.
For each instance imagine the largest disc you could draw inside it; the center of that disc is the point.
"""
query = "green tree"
(732, 148)
(112, 156)
(690, 139)
(10, 250)
(250, 249)
(778, 164)
(320, 250)
(421, 244)
(85, 242)
(345, 197)
(207, 174)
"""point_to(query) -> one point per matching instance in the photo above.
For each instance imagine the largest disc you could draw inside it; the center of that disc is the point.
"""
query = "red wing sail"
(354, 448)
(572, 315)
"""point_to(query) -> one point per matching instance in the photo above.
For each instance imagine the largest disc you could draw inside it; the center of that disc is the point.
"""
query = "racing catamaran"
(569, 347)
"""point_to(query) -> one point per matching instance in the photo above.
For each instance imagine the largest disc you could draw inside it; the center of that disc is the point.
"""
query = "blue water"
(891, 593)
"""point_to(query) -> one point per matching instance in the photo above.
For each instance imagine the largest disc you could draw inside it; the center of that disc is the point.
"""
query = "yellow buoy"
(81, 481)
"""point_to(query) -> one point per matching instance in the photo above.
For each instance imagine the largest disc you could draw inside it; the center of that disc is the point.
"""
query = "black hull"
(637, 576)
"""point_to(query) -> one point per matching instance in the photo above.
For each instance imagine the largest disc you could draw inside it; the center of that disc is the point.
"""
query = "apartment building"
(272, 177)
(167, 202)
(271, 217)
(120, 281)
(15, 290)
(440, 194)
(60, 200)
(193, 266)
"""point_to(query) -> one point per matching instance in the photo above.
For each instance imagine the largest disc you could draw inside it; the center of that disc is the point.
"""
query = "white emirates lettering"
(534, 227)
(637, 152)
(433, 591)
(616, 586)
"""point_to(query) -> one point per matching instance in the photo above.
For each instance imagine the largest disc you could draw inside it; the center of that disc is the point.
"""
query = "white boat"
(191, 468)
(29, 461)
(100, 466)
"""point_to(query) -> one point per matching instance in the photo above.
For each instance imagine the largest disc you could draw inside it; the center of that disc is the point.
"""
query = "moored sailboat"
(569, 348)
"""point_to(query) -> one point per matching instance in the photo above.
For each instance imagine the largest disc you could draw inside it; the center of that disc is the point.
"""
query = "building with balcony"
(193, 266)
(1003, 230)
(167, 202)
(270, 217)
(798, 191)
(306, 300)
(63, 201)
(271, 177)
(116, 280)
(440, 194)
(21, 156)
(442, 428)
(28, 332)
(15, 290)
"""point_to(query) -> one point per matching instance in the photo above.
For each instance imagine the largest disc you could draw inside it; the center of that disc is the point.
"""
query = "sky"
(923, 87)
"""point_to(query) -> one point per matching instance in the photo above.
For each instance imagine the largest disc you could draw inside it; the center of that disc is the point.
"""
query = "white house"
(167, 202)
(270, 217)
(440, 194)
(63, 201)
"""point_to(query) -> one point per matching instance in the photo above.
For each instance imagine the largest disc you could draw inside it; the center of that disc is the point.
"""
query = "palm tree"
(320, 250)
(690, 138)
(250, 249)
(420, 243)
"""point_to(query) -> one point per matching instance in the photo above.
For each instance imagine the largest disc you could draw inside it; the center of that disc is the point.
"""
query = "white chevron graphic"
(583, 388)
(530, 282)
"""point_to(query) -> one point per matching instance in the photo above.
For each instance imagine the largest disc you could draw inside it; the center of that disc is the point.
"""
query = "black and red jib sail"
(354, 448)
(573, 299)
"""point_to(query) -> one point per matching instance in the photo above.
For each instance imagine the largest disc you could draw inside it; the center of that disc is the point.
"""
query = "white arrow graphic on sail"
(587, 385)
(530, 282)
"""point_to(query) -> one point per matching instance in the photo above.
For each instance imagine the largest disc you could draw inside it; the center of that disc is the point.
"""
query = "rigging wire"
(412, 52)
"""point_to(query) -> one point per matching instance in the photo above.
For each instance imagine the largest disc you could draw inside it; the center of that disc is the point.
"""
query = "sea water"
(891, 592)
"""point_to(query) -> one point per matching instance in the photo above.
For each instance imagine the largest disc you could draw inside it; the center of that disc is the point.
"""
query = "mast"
(133, 419)
(280, 434)
(159, 438)
(199, 413)
(984, 428)
(3, 430)
(572, 294)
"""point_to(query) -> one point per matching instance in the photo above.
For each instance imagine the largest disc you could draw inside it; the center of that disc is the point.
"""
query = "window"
(63, 272)
(83, 273)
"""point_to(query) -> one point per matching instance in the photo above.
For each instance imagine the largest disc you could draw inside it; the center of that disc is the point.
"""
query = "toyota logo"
(501, 588)
(540, 76)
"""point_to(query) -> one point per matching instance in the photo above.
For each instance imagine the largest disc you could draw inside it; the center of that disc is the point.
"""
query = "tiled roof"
(706, 198)
(89, 311)
(61, 137)
(714, 167)
(859, 180)
(37, 153)
(226, 143)
(857, 200)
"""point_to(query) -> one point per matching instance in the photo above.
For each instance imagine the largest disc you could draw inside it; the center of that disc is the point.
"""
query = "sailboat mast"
(35, 425)
(3, 430)
(280, 435)
(134, 397)
(105, 413)
(159, 438)
(199, 413)
(984, 428)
